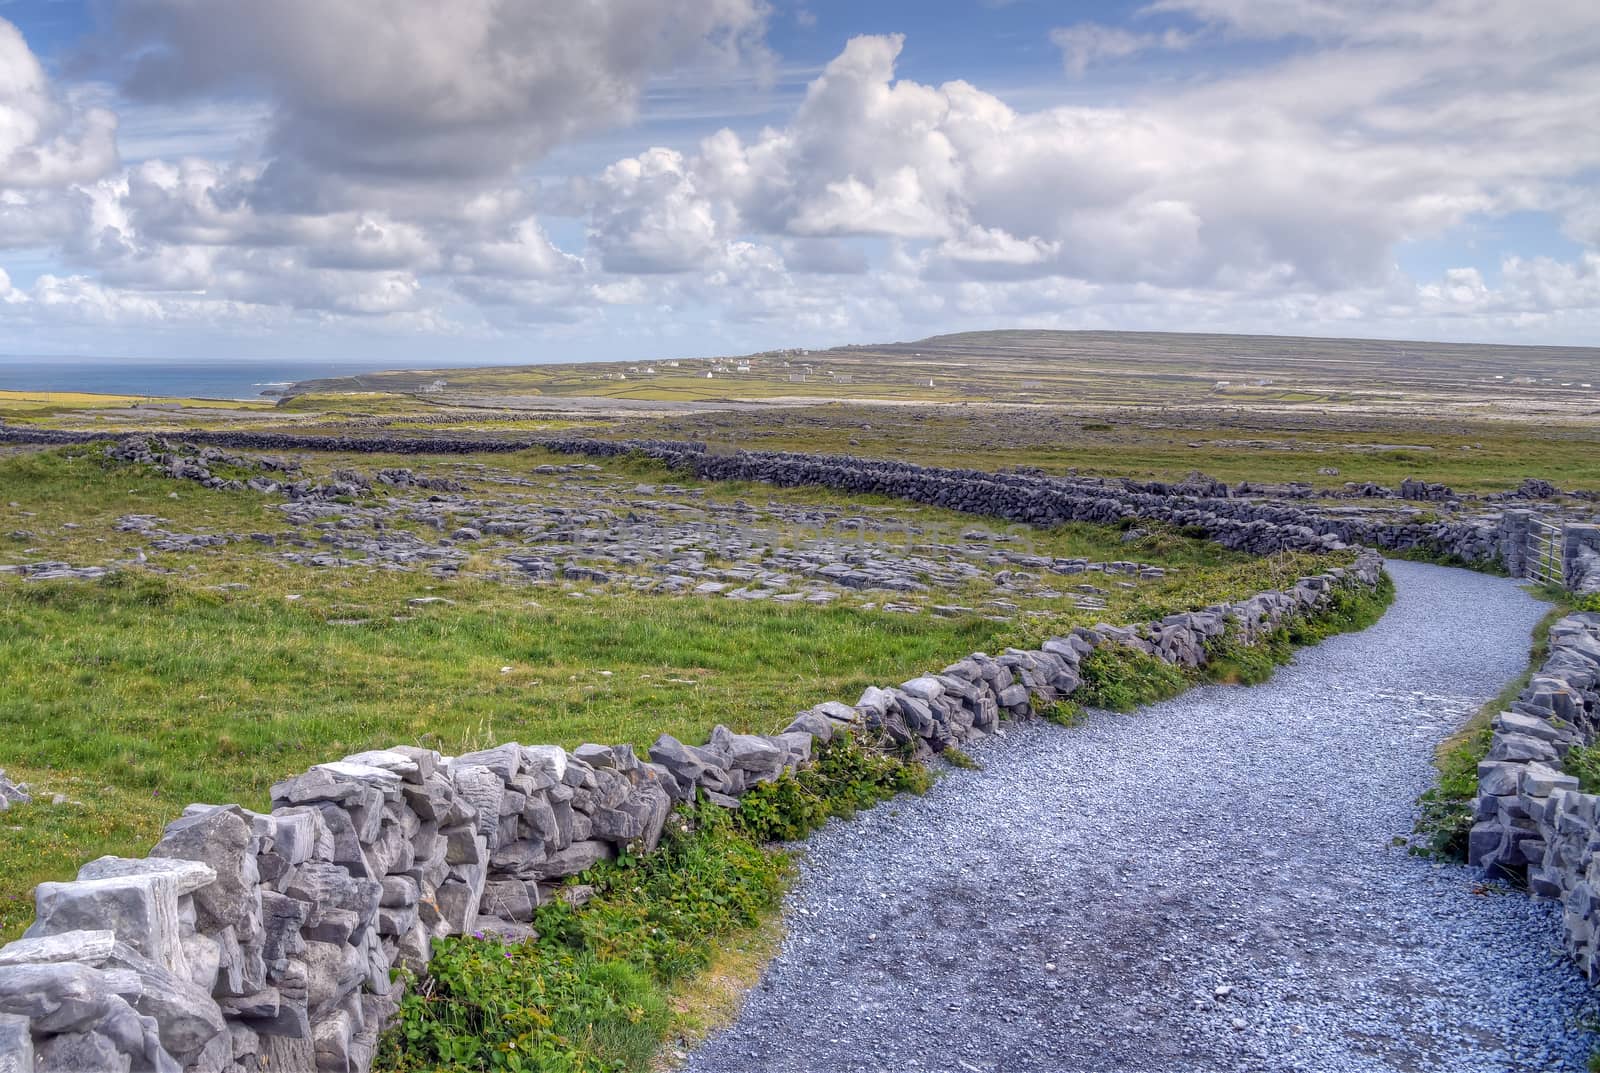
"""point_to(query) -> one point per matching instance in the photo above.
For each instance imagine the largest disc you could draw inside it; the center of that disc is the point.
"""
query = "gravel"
(1206, 884)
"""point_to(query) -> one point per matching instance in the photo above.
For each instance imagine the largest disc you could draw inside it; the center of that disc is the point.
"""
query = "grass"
(358, 403)
(134, 696)
(710, 1000)
(1121, 678)
(43, 403)
(1446, 817)
(591, 994)
(1469, 454)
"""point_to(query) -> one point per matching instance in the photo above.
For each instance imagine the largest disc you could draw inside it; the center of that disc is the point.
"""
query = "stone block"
(64, 996)
(84, 947)
(1532, 726)
(1540, 780)
(189, 875)
(1484, 842)
(504, 760)
(186, 1017)
(141, 910)
(509, 899)
(333, 970)
(222, 839)
(480, 789)
(456, 907)
(576, 858)
(16, 1044)
(80, 1052)
(433, 798)
(1521, 748)
(1499, 778)
(549, 761)
(394, 761)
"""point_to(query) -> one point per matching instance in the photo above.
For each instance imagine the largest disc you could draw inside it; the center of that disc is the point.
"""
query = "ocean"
(182, 379)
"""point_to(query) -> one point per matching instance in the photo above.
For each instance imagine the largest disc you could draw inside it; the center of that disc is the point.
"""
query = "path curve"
(1081, 903)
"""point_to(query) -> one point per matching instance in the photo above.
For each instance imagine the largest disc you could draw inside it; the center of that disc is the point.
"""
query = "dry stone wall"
(265, 940)
(1242, 523)
(1533, 822)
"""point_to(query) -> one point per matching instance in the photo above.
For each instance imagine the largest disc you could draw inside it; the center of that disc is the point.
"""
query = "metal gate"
(1544, 554)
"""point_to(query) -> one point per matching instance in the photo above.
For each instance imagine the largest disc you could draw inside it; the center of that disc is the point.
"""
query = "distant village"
(789, 364)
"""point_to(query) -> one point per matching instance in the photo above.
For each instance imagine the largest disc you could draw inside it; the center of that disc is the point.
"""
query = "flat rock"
(86, 947)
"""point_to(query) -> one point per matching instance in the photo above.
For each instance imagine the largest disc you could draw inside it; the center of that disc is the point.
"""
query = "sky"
(543, 180)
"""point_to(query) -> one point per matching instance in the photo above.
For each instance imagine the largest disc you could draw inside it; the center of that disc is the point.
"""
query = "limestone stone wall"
(265, 940)
(1581, 558)
(1533, 822)
(1242, 522)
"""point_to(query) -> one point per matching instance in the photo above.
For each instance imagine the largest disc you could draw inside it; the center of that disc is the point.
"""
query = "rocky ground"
(1210, 884)
(590, 528)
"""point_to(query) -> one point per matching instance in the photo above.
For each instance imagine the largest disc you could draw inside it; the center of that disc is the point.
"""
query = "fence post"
(1515, 527)
(1580, 557)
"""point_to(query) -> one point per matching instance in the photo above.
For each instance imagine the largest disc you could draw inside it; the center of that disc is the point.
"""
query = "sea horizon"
(245, 380)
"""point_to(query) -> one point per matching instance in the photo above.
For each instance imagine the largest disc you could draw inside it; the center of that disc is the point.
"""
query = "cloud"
(826, 256)
(649, 216)
(45, 140)
(390, 185)
(381, 92)
(1087, 43)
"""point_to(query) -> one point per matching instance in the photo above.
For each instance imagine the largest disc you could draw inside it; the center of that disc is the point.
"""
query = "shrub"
(1583, 762)
(1229, 660)
(1445, 815)
(1122, 678)
(843, 779)
(530, 1006)
(1065, 712)
(589, 995)
(1349, 608)
(959, 758)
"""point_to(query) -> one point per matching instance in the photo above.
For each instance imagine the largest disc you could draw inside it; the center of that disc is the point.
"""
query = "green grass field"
(1471, 456)
(157, 687)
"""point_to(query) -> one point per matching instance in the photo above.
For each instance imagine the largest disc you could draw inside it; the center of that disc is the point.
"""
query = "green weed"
(843, 779)
(959, 758)
(1445, 818)
(1122, 678)
(1066, 713)
(590, 994)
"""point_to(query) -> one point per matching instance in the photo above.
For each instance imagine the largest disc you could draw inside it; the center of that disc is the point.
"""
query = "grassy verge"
(1446, 809)
(1493, 567)
(1121, 678)
(604, 985)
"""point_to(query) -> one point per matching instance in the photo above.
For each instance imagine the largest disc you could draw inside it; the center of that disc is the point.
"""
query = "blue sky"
(402, 180)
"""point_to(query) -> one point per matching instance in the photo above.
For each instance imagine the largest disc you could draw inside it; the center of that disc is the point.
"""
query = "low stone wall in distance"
(264, 941)
(1533, 822)
(1241, 522)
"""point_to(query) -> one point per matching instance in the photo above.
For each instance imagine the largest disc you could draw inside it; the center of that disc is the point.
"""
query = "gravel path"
(1207, 884)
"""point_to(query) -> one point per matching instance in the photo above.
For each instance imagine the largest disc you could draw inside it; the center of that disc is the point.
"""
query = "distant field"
(1151, 405)
(1470, 455)
(1076, 369)
(35, 404)
(207, 675)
